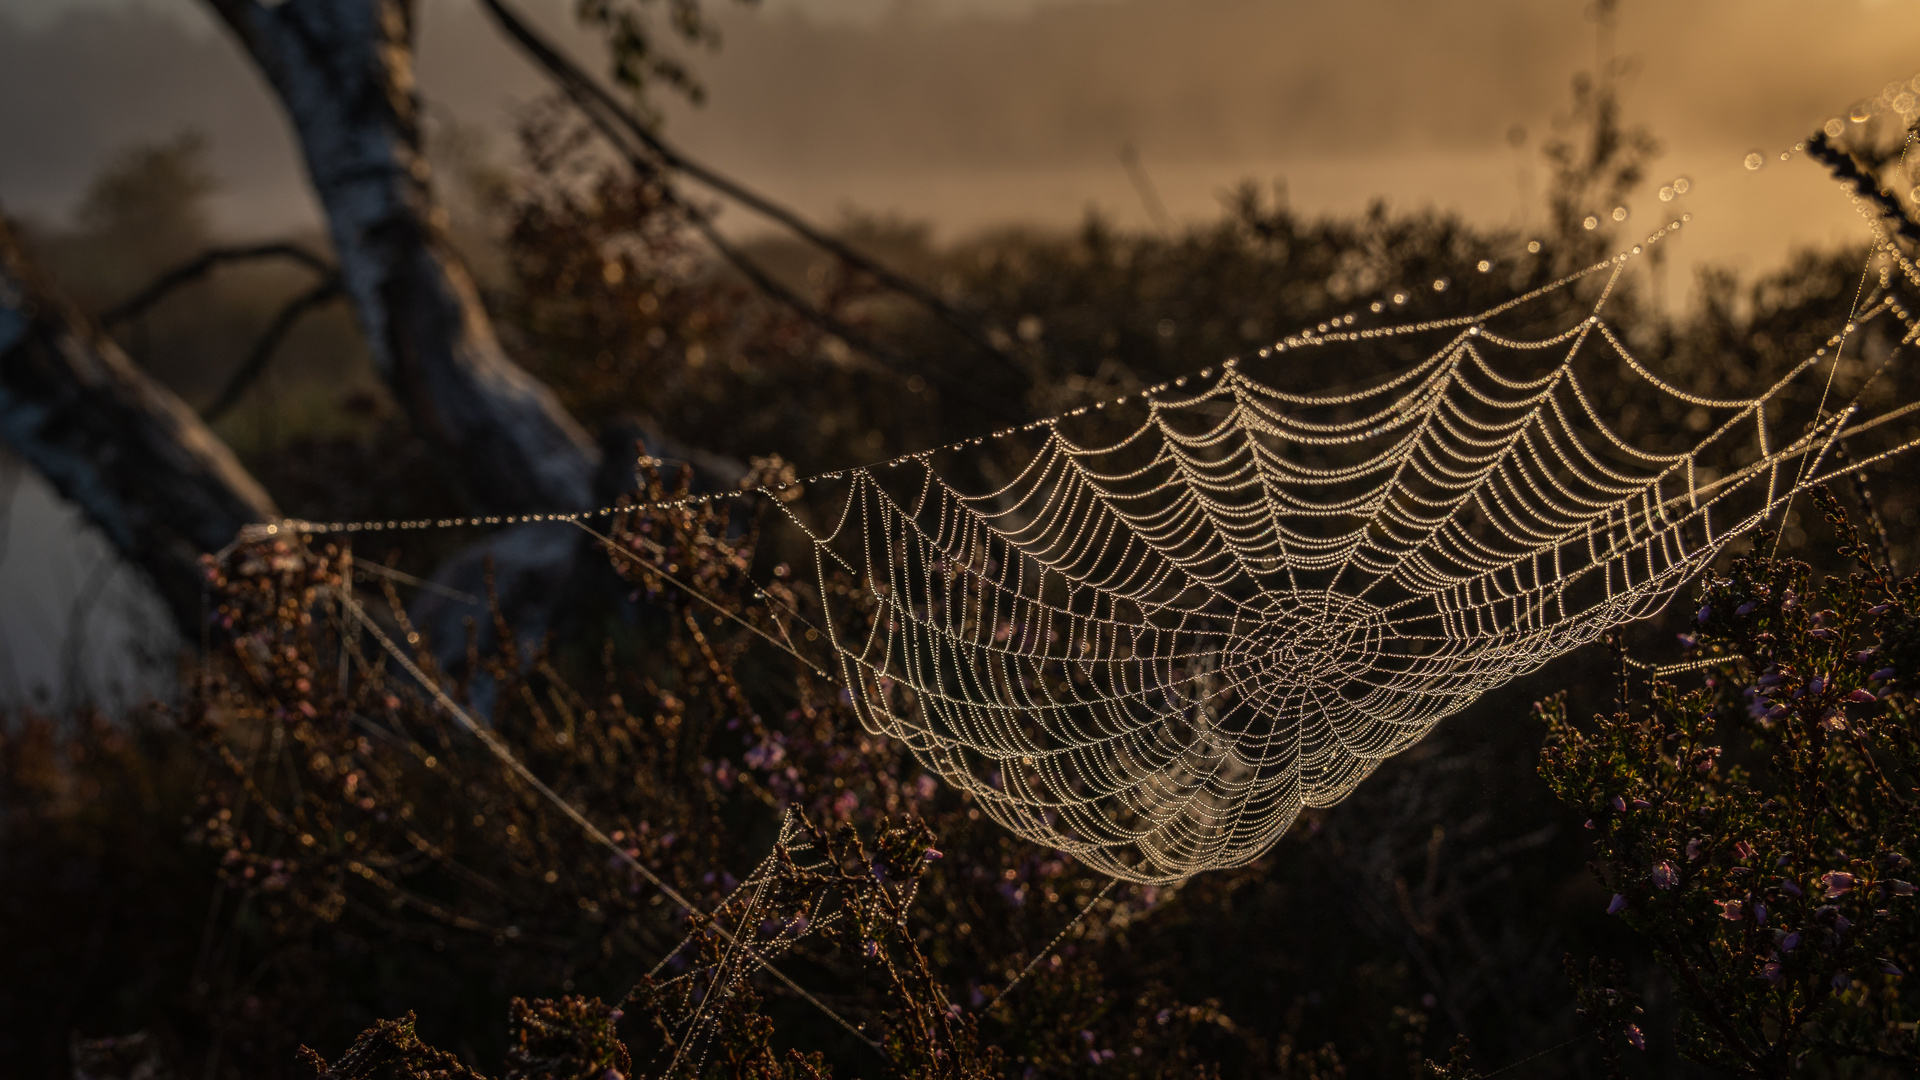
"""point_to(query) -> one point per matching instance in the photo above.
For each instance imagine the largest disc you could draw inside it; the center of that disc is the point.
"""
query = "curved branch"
(263, 349)
(201, 265)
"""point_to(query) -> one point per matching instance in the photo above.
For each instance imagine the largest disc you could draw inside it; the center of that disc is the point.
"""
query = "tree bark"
(133, 457)
(343, 70)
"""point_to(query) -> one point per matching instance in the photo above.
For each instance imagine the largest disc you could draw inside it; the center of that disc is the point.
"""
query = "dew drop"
(1833, 128)
(1619, 213)
(1439, 284)
(1861, 113)
(1681, 184)
(1533, 246)
(1755, 159)
(1667, 193)
(1591, 222)
(1484, 266)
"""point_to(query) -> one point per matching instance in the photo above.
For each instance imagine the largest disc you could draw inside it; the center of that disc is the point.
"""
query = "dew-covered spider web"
(1150, 631)
(1153, 649)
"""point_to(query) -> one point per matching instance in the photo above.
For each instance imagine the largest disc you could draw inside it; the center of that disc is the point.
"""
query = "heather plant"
(1755, 828)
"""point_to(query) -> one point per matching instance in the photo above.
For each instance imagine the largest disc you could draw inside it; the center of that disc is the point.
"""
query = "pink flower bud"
(1862, 696)
(1665, 875)
(1617, 803)
(1634, 1037)
(1837, 882)
(1743, 849)
(1693, 849)
(1773, 973)
(1731, 910)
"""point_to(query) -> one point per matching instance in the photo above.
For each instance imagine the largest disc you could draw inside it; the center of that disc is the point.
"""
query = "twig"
(1844, 166)
(201, 265)
(263, 349)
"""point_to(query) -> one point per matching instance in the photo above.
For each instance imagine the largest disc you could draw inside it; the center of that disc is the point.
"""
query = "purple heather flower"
(1760, 914)
(1693, 849)
(1777, 712)
(1842, 924)
(1789, 601)
(1640, 804)
(1687, 641)
(932, 854)
(1634, 1037)
(1772, 678)
(1617, 905)
(1731, 910)
(1618, 803)
(1706, 612)
(1773, 973)
(1816, 684)
(1791, 887)
(1865, 655)
(870, 949)
(1841, 980)
(1665, 875)
(1879, 609)
(1837, 882)
(1790, 942)
(1744, 609)
(1891, 968)
(1898, 887)
(1883, 674)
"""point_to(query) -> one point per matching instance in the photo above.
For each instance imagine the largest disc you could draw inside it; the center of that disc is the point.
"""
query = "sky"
(974, 113)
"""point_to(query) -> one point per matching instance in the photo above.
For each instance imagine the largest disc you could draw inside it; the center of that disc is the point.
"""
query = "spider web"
(1152, 650)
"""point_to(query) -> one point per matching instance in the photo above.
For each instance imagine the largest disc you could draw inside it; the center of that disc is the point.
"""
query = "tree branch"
(132, 456)
(202, 264)
(343, 70)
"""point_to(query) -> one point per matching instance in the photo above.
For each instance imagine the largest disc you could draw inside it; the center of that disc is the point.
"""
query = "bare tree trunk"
(133, 457)
(343, 70)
